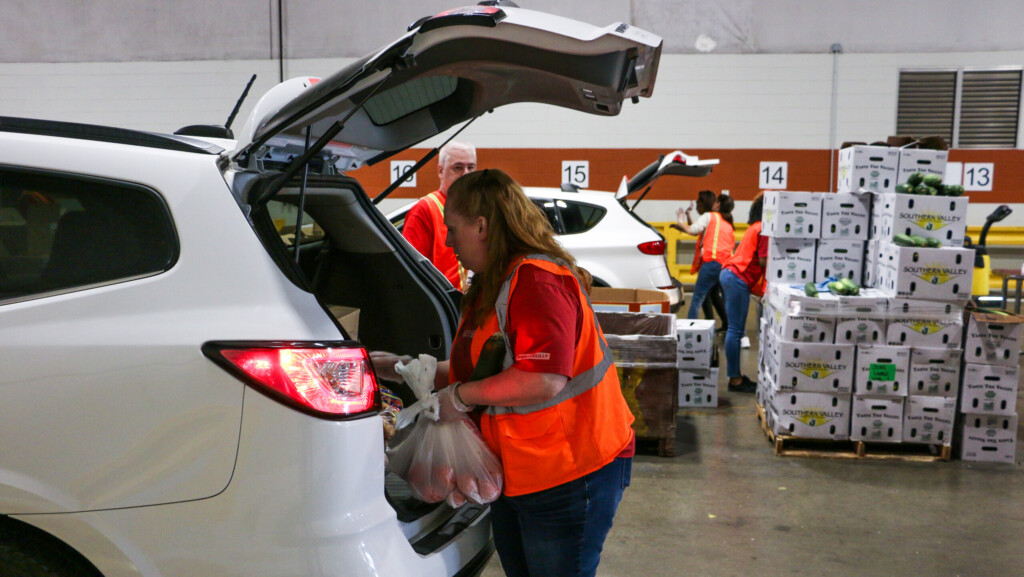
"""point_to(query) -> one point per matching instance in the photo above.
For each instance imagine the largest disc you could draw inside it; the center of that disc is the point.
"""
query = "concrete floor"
(726, 505)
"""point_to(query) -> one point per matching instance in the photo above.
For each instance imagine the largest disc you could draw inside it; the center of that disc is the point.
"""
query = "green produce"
(954, 190)
(903, 240)
(933, 180)
(915, 179)
(932, 242)
(926, 190)
(811, 290)
(850, 286)
(836, 288)
(905, 188)
(919, 240)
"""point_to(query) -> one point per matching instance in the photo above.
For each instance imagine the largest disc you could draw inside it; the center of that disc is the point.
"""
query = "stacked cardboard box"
(697, 361)
(888, 362)
(989, 390)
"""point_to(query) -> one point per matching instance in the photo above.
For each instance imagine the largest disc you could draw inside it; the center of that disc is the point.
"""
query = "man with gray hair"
(424, 223)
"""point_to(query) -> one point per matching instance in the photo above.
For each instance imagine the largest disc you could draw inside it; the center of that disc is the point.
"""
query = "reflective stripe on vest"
(580, 430)
(720, 247)
(439, 219)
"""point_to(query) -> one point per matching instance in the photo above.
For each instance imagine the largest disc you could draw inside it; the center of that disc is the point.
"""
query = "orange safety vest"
(745, 254)
(580, 430)
(442, 256)
(720, 247)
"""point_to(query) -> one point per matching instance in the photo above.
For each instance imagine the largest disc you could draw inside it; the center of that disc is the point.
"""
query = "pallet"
(788, 446)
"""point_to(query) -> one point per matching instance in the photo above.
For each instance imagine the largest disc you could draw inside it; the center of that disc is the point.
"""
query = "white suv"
(185, 389)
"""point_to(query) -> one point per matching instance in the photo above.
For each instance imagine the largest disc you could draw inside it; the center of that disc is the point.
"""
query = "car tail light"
(654, 247)
(328, 380)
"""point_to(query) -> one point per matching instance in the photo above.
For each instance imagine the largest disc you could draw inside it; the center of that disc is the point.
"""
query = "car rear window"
(60, 232)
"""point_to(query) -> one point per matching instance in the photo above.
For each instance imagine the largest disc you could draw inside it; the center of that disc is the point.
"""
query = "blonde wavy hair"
(515, 228)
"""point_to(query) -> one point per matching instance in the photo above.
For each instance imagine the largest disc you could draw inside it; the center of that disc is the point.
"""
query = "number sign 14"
(772, 175)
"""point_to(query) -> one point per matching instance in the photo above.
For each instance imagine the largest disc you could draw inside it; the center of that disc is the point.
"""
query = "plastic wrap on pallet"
(952, 311)
(651, 351)
(631, 323)
(794, 301)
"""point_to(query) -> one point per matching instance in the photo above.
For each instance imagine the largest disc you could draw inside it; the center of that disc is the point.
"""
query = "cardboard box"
(801, 328)
(940, 217)
(989, 389)
(990, 438)
(934, 372)
(348, 318)
(882, 370)
(877, 419)
(845, 215)
(695, 344)
(993, 339)
(836, 259)
(924, 332)
(812, 415)
(871, 259)
(698, 388)
(927, 309)
(929, 273)
(788, 214)
(860, 331)
(921, 160)
(929, 420)
(870, 303)
(868, 168)
(790, 260)
(631, 300)
(793, 300)
(815, 367)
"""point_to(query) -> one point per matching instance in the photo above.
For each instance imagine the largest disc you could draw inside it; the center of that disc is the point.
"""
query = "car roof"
(108, 134)
(454, 67)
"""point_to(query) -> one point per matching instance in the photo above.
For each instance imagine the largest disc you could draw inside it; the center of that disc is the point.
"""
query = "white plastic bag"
(440, 460)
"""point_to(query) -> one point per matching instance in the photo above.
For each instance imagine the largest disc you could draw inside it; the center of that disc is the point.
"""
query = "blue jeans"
(707, 278)
(559, 532)
(737, 304)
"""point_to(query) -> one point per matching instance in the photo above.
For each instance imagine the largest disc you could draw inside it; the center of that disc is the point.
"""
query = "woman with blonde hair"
(554, 414)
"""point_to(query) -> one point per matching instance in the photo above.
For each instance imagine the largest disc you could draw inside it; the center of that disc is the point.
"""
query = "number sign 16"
(399, 168)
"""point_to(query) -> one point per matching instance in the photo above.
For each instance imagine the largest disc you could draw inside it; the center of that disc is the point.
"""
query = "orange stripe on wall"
(738, 170)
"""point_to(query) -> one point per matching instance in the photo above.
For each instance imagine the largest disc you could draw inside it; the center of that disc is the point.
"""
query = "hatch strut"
(297, 239)
(416, 167)
(641, 197)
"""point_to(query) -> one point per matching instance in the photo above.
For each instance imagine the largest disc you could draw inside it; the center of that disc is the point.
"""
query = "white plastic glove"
(384, 364)
(449, 407)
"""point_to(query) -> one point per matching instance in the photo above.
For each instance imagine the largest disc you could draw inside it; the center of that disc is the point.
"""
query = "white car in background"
(600, 229)
(185, 389)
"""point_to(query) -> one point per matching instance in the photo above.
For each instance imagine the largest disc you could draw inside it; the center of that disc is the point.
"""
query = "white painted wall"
(700, 101)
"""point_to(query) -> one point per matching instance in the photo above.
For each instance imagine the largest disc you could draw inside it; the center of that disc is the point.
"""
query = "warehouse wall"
(764, 95)
(156, 30)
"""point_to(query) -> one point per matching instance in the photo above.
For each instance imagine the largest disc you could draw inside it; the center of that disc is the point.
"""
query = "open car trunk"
(404, 303)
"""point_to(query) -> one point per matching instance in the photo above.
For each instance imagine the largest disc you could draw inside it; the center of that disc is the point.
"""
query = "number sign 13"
(979, 175)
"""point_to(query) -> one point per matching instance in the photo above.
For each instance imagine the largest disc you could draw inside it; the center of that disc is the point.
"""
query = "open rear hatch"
(446, 70)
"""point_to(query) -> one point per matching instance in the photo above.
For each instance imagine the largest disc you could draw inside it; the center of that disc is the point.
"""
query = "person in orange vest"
(715, 240)
(554, 415)
(424, 223)
(742, 276)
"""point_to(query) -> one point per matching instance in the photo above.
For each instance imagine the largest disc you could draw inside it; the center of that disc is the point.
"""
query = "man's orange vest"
(719, 248)
(745, 254)
(580, 430)
(441, 255)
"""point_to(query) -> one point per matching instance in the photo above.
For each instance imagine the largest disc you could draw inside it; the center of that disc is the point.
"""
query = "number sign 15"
(576, 172)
